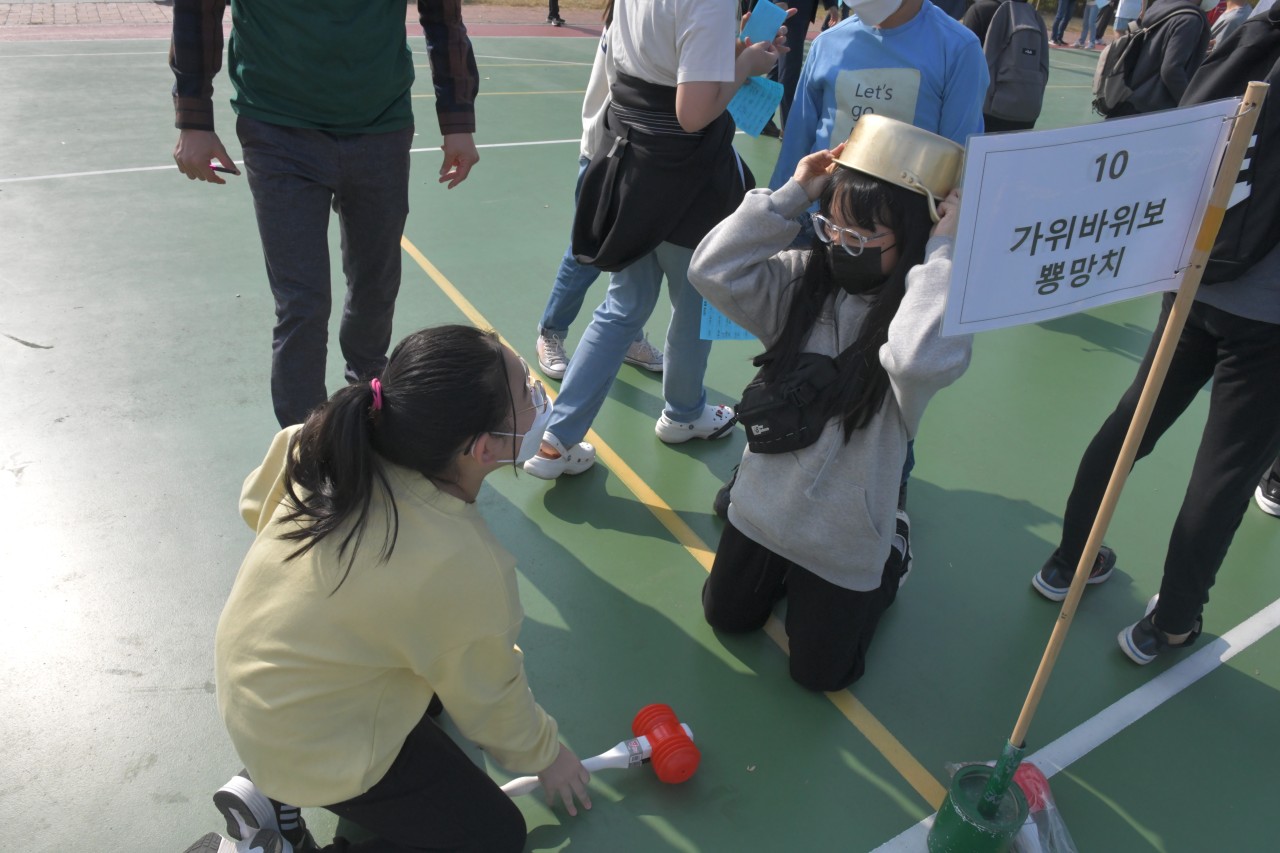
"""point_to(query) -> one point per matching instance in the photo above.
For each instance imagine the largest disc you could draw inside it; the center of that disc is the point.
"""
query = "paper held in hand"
(1054, 222)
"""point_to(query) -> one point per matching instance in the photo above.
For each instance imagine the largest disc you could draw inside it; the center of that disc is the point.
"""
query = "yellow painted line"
(491, 94)
(854, 711)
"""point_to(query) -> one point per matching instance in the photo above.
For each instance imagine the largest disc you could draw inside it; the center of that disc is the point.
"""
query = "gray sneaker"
(552, 358)
(643, 354)
(247, 810)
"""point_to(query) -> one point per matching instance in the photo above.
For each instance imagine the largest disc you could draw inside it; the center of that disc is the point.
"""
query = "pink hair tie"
(377, 394)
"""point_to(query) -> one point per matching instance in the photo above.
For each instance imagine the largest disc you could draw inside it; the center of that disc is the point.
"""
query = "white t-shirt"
(668, 42)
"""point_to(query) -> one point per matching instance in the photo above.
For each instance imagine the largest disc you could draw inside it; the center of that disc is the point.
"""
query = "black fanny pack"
(788, 412)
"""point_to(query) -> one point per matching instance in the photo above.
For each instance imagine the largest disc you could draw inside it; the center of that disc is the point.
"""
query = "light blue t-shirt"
(929, 72)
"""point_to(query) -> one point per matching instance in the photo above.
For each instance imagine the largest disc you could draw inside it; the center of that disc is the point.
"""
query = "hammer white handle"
(628, 753)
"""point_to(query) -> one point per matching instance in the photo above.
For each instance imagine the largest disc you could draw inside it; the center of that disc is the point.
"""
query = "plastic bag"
(1044, 831)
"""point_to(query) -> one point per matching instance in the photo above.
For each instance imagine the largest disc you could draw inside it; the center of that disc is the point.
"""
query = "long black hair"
(860, 389)
(441, 388)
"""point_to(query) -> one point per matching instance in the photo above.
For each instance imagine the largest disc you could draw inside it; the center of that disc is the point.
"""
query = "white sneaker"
(714, 423)
(552, 358)
(575, 460)
(643, 354)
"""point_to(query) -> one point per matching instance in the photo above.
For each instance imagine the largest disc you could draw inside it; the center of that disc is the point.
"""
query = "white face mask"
(873, 12)
(532, 440)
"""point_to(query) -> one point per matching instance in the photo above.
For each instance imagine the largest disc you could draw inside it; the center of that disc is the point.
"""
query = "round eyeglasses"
(853, 242)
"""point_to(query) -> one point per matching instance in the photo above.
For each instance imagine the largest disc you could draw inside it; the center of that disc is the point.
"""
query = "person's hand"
(833, 17)
(566, 778)
(459, 156)
(196, 149)
(814, 171)
(948, 215)
(779, 42)
(760, 57)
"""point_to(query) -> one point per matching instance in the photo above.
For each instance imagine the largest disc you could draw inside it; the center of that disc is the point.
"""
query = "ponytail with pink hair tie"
(377, 394)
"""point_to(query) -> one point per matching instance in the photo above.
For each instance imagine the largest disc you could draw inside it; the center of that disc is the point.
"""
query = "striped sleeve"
(195, 55)
(453, 64)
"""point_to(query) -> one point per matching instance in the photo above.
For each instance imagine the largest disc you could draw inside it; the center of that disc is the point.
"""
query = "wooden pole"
(1237, 146)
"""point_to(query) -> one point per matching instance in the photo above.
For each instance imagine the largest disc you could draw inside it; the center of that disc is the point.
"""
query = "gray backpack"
(1019, 63)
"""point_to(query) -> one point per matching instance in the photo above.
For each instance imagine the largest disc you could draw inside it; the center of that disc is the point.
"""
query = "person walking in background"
(573, 279)
(665, 173)
(1088, 22)
(553, 13)
(325, 121)
(1016, 46)
(1060, 22)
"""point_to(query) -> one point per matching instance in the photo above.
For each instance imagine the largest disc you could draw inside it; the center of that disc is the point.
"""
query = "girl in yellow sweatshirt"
(374, 585)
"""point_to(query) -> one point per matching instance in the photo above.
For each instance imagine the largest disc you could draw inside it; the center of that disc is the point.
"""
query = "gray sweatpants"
(296, 175)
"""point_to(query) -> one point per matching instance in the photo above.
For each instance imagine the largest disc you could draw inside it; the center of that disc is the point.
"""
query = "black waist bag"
(788, 412)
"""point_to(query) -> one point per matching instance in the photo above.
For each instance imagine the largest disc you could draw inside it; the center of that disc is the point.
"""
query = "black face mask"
(860, 274)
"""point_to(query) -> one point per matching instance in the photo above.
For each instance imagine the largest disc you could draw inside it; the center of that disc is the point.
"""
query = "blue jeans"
(633, 293)
(1090, 23)
(572, 282)
(1061, 20)
(1122, 25)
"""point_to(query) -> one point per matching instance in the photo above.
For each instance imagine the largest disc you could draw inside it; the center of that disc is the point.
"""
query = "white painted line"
(527, 59)
(61, 55)
(489, 146)
(1100, 728)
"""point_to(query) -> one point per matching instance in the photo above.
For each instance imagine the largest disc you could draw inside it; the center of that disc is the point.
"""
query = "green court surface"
(135, 322)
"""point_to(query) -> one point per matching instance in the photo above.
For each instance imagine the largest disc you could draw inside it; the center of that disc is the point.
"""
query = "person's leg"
(686, 353)
(633, 292)
(292, 176)
(1190, 369)
(1086, 26)
(830, 628)
(746, 581)
(571, 283)
(553, 12)
(789, 68)
(433, 798)
(1241, 438)
(1105, 17)
(1060, 21)
(372, 204)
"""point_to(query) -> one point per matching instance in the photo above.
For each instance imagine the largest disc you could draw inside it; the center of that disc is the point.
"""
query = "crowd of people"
(374, 597)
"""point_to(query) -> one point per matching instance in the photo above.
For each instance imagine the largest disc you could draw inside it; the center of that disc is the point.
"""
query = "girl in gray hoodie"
(820, 524)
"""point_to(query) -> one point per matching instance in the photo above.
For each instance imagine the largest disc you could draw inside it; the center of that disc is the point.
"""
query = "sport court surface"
(136, 326)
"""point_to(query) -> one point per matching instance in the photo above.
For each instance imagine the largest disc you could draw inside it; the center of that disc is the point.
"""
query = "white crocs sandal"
(574, 460)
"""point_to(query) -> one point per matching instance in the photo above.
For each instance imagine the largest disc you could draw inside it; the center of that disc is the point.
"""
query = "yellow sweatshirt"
(319, 690)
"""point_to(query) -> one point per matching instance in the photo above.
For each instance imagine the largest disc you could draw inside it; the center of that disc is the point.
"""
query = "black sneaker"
(555, 20)
(1267, 495)
(247, 810)
(1054, 578)
(267, 841)
(720, 506)
(1143, 641)
(902, 544)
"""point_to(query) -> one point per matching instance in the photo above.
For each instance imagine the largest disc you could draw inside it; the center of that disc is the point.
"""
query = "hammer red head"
(674, 755)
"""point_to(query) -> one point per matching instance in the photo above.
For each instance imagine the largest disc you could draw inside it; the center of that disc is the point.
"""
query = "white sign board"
(1053, 222)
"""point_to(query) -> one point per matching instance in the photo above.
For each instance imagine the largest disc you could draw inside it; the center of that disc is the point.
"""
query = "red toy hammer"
(660, 738)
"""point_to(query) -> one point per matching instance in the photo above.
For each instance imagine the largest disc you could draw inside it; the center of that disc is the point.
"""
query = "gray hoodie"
(829, 507)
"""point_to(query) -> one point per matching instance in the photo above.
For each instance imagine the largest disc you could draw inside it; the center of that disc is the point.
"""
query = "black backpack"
(1019, 65)
(1113, 82)
(1251, 226)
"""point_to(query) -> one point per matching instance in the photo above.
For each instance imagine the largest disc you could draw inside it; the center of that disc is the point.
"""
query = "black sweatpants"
(433, 798)
(1241, 438)
(829, 627)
